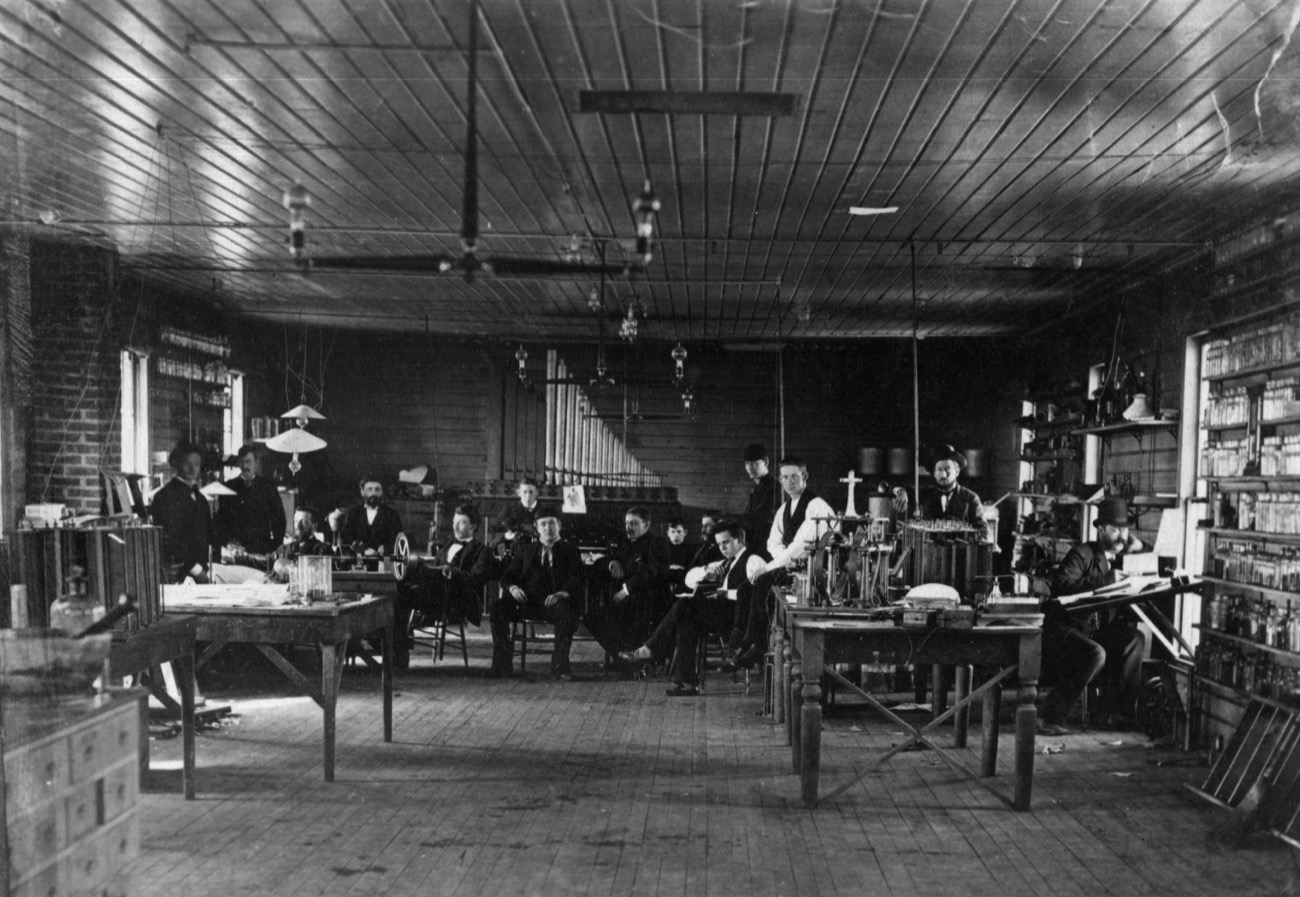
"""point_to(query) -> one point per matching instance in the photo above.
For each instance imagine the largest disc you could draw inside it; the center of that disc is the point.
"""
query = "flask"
(75, 610)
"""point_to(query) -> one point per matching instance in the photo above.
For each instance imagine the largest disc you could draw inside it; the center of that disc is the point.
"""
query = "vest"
(792, 518)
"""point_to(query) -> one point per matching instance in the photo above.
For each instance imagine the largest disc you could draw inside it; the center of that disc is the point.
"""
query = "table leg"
(387, 676)
(331, 667)
(1026, 724)
(785, 663)
(795, 697)
(809, 736)
(144, 738)
(938, 691)
(184, 667)
(961, 689)
(778, 676)
(989, 724)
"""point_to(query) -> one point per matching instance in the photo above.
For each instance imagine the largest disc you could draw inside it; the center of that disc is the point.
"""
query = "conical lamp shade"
(296, 441)
(1139, 409)
(216, 489)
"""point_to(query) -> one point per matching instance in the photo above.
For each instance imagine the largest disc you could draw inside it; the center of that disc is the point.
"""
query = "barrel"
(900, 461)
(870, 461)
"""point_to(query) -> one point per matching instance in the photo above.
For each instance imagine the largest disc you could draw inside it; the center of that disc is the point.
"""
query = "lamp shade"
(303, 413)
(295, 441)
(217, 489)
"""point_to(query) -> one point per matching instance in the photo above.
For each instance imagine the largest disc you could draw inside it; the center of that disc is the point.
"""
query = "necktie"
(546, 557)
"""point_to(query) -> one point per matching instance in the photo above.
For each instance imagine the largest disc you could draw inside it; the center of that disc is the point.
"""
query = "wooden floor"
(603, 786)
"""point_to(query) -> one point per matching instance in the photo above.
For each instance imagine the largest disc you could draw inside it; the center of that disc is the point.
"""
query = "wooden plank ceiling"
(1039, 153)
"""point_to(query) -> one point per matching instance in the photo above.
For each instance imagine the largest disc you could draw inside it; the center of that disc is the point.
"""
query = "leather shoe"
(682, 691)
(639, 656)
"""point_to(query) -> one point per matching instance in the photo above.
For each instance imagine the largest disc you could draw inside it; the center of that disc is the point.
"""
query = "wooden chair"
(432, 631)
(524, 631)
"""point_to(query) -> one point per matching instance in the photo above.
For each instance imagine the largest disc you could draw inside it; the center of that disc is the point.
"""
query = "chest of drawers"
(71, 775)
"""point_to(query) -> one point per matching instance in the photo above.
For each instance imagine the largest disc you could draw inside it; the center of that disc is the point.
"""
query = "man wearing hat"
(542, 582)
(765, 497)
(1074, 649)
(947, 500)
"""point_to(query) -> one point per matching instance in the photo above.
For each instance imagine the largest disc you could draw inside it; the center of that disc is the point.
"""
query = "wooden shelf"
(1050, 456)
(1154, 501)
(1226, 689)
(1252, 372)
(1217, 428)
(1250, 535)
(1043, 537)
(1257, 483)
(1060, 423)
(1262, 591)
(1247, 643)
(1135, 427)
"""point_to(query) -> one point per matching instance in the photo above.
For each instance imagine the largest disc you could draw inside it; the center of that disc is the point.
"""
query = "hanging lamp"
(297, 440)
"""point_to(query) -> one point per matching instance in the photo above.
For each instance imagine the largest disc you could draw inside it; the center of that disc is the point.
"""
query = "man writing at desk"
(1074, 649)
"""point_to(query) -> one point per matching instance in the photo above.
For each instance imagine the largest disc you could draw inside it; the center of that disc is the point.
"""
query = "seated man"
(519, 524)
(680, 553)
(635, 579)
(712, 613)
(305, 543)
(371, 528)
(541, 582)
(1074, 650)
(461, 569)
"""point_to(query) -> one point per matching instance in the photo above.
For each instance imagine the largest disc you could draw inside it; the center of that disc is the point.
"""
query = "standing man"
(696, 616)
(802, 519)
(182, 511)
(541, 582)
(371, 527)
(520, 521)
(252, 520)
(1074, 649)
(638, 575)
(947, 500)
(763, 498)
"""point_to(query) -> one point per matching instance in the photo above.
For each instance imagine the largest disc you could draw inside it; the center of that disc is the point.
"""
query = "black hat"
(756, 451)
(544, 511)
(1112, 512)
(948, 453)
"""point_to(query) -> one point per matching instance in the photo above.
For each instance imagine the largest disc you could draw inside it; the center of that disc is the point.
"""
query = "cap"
(948, 453)
(755, 451)
(1112, 512)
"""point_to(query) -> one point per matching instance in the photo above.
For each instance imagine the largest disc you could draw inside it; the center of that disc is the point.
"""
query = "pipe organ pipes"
(551, 392)
(561, 431)
(575, 428)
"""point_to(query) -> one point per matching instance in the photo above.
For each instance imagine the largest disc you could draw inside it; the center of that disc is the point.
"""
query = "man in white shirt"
(802, 519)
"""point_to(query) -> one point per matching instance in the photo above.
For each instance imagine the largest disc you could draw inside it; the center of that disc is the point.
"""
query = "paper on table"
(1130, 586)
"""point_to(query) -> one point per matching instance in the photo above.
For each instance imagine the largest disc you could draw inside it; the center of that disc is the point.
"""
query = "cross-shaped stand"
(850, 510)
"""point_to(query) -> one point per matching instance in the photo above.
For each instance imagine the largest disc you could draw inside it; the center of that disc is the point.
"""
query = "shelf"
(1250, 535)
(1281, 421)
(1226, 689)
(1256, 483)
(1262, 591)
(1218, 428)
(1050, 456)
(1061, 498)
(1154, 501)
(1060, 423)
(1042, 537)
(1247, 643)
(1135, 427)
(1252, 372)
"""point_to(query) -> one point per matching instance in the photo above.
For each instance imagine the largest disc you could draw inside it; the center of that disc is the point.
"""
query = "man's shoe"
(747, 659)
(682, 691)
(639, 656)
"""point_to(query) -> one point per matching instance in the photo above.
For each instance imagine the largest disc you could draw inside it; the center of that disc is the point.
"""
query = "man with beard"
(638, 575)
(947, 500)
(252, 520)
(1074, 649)
(371, 527)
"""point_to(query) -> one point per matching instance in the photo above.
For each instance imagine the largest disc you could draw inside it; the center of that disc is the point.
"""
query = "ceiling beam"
(687, 102)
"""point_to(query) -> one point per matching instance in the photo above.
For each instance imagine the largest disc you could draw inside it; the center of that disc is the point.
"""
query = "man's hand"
(621, 594)
(616, 571)
(552, 598)
(756, 573)
(518, 594)
(900, 500)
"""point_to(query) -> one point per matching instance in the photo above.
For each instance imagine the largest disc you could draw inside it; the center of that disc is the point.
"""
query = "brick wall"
(73, 426)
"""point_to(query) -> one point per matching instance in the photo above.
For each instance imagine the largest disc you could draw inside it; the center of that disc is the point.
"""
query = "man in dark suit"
(1074, 649)
(183, 514)
(371, 527)
(947, 500)
(764, 498)
(636, 585)
(680, 552)
(252, 520)
(462, 567)
(720, 588)
(519, 524)
(542, 582)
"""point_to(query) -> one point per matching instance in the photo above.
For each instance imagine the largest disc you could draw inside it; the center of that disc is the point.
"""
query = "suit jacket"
(763, 502)
(187, 533)
(253, 516)
(527, 571)
(963, 505)
(379, 535)
(474, 562)
(1085, 568)
(645, 565)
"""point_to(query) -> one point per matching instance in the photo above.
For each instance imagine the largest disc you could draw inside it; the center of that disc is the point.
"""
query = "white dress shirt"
(808, 532)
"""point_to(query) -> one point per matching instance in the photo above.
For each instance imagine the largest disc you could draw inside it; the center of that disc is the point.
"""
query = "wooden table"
(329, 625)
(820, 641)
(168, 639)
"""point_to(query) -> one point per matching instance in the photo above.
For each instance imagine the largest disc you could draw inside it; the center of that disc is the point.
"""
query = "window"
(233, 419)
(135, 412)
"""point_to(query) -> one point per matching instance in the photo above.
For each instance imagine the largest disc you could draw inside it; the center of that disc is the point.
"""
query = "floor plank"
(606, 786)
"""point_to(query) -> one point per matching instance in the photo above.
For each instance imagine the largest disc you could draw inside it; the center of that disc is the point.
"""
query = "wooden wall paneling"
(494, 417)
(511, 437)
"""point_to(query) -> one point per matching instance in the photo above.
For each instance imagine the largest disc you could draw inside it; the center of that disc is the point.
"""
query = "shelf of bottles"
(1251, 454)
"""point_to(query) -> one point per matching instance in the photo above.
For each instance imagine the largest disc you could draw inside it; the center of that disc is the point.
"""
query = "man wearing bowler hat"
(947, 500)
(1074, 649)
(765, 497)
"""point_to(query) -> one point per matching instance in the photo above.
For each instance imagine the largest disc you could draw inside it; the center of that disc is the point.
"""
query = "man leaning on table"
(1075, 650)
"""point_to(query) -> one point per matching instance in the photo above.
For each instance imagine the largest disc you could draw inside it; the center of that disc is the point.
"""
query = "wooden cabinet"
(71, 774)
(1249, 461)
